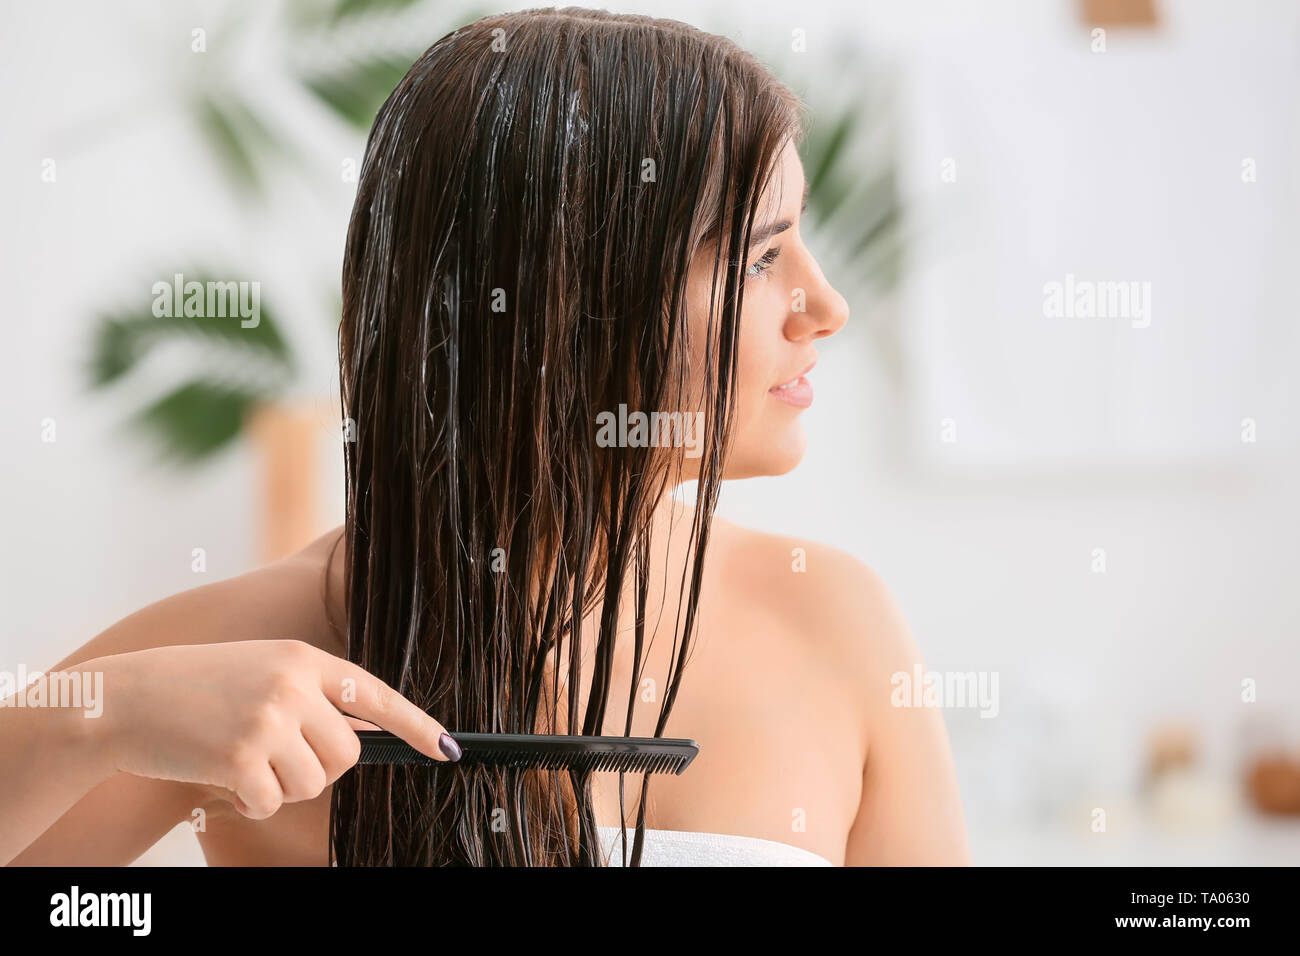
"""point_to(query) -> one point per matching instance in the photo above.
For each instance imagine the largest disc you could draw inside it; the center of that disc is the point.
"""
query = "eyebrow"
(760, 236)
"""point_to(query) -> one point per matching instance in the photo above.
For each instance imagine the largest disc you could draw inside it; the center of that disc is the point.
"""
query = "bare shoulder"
(909, 807)
(826, 597)
(285, 600)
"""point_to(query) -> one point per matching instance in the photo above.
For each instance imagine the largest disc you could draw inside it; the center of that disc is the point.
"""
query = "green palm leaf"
(358, 87)
(204, 414)
(241, 139)
(194, 421)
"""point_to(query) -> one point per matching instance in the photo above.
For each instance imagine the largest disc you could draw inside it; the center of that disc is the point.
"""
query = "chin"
(775, 453)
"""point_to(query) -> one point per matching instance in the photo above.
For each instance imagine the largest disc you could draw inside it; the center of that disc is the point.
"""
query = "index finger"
(356, 691)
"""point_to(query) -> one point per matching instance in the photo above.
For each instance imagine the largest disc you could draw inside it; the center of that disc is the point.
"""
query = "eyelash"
(763, 263)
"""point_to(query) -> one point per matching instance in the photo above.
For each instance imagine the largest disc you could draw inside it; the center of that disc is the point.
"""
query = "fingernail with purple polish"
(449, 747)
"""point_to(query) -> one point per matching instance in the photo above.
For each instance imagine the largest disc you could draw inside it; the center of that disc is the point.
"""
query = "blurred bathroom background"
(1095, 504)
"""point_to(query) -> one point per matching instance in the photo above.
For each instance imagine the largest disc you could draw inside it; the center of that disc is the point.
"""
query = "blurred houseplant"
(242, 376)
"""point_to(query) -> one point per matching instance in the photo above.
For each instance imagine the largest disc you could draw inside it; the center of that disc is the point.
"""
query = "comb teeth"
(541, 752)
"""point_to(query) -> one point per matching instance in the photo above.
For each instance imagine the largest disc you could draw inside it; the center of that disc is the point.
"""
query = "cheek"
(767, 439)
(751, 386)
(757, 357)
(769, 436)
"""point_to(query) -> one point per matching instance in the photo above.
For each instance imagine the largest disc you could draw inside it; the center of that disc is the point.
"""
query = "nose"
(825, 310)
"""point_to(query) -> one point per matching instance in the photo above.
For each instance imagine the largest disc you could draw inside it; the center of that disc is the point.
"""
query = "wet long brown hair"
(532, 196)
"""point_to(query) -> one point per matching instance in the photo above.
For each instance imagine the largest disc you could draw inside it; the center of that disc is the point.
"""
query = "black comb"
(540, 752)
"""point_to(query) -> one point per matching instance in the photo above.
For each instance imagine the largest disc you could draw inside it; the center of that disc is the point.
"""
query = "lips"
(797, 391)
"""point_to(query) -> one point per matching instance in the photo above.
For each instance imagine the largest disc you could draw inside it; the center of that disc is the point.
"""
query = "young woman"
(565, 218)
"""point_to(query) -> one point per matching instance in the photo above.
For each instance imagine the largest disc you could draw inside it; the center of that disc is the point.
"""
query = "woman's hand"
(263, 722)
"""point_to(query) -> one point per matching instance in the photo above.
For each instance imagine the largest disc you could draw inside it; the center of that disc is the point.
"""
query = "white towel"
(688, 848)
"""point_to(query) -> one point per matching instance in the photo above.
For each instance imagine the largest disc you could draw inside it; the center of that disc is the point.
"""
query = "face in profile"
(788, 305)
